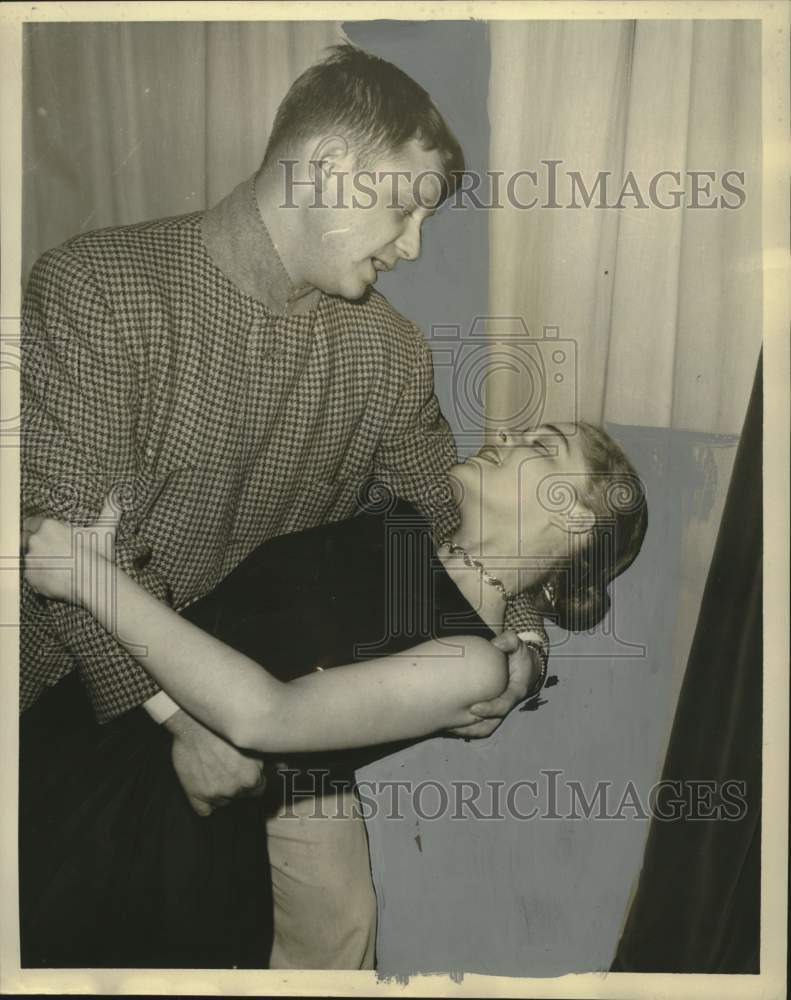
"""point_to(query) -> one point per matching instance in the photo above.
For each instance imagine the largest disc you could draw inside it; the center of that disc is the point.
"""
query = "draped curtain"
(663, 304)
(698, 903)
(131, 121)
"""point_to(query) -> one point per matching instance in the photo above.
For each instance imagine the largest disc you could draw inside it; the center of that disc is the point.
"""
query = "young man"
(233, 376)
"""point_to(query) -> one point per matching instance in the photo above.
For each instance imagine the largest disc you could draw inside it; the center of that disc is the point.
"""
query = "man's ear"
(329, 155)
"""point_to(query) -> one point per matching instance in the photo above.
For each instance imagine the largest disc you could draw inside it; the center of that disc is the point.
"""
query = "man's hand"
(211, 771)
(524, 666)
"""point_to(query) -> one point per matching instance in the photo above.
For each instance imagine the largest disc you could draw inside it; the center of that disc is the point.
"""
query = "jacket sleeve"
(418, 447)
(79, 410)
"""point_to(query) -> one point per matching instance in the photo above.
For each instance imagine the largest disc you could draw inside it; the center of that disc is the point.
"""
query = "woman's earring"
(502, 436)
(549, 593)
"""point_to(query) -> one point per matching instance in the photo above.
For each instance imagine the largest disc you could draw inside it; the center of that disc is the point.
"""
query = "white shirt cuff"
(161, 707)
(531, 637)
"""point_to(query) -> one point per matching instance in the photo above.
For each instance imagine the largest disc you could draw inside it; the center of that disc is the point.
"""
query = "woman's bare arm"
(425, 690)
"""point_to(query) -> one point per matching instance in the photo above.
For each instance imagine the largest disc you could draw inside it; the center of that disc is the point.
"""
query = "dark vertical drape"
(697, 905)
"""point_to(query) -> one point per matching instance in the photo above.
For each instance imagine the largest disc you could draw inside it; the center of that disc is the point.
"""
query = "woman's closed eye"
(489, 454)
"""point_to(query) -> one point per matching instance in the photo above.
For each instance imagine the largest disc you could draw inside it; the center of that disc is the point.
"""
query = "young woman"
(406, 626)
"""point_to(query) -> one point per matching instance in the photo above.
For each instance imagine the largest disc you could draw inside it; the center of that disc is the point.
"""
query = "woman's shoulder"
(372, 515)
(361, 536)
(381, 505)
(348, 538)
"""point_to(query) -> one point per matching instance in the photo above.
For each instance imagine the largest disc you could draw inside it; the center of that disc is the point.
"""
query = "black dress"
(132, 877)
(353, 590)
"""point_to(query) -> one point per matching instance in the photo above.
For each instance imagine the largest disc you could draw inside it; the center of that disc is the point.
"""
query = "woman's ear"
(579, 521)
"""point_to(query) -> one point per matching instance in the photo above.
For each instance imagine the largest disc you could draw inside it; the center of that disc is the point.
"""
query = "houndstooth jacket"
(168, 360)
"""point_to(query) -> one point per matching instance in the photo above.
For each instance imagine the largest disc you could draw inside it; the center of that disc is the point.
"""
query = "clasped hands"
(523, 669)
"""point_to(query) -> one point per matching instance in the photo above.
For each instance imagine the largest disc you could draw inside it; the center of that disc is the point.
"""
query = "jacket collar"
(239, 244)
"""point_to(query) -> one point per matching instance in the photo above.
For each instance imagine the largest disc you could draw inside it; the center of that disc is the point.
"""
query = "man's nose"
(408, 243)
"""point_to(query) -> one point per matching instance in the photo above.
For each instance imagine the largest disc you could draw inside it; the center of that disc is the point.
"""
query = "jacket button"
(142, 559)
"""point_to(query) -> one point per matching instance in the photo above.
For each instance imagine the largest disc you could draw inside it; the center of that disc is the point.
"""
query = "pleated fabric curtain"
(130, 121)
(664, 304)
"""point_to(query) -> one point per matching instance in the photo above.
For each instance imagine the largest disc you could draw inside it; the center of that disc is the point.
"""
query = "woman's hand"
(66, 561)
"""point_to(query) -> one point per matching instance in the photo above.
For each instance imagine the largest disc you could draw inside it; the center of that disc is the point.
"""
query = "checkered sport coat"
(156, 360)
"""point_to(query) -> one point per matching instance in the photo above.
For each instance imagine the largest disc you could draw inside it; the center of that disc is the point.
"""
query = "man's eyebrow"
(560, 434)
